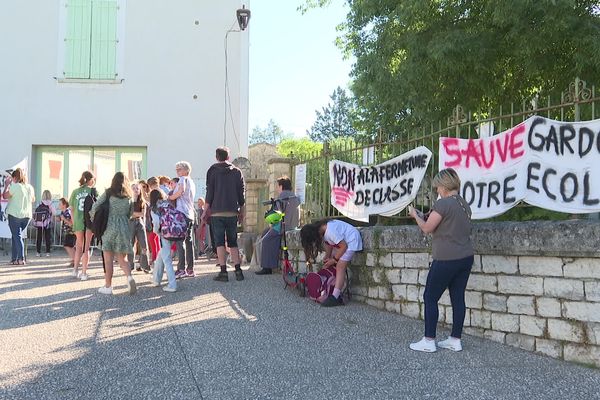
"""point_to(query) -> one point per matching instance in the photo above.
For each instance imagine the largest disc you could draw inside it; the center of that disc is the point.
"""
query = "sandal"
(20, 262)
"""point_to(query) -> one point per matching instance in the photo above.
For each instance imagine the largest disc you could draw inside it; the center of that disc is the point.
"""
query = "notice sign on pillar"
(300, 182)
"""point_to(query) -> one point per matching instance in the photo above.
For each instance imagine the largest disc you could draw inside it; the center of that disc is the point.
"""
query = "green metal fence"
(577, 103)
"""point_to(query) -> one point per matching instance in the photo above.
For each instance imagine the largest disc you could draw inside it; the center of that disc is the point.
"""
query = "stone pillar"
(252, 207)
(277, 168)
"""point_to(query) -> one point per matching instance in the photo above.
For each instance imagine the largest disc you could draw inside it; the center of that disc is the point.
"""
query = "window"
(91, 40)
(59, 168)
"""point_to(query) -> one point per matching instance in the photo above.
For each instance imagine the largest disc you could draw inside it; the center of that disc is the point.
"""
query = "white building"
(129, 85)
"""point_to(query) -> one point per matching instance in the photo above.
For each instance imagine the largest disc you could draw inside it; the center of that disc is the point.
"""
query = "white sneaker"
(74, 273)
(131, 285)
(39, 254)
(169, 289)
(154, 284)
(47, 254)
(425, 345)
(451, 343)
(105, 290)
(84, 277)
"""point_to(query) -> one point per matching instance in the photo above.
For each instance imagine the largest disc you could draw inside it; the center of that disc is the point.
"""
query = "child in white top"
(340, 241)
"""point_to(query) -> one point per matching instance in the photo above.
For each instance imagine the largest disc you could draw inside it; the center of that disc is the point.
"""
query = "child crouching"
(340, 241)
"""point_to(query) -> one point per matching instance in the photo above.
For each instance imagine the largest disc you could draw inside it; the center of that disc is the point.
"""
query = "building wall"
(167, 60)
(534, 285)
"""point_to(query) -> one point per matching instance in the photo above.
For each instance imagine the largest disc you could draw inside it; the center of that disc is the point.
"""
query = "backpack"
(173, 223)
(88, 202)
(42, 216)
(100, 220)
(320, 285)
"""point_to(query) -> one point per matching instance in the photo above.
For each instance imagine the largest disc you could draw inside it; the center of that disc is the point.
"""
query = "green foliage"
(272, 134)
(299, 148)
(417, 59)
(334, 120)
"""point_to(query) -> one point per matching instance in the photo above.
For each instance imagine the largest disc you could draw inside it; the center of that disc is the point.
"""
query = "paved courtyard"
(59, 339)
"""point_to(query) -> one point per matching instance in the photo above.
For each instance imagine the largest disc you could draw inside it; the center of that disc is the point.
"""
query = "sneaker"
(84, 277)
(189, 273)
(147, 270)
(138, 269)
(47, 254)
(222, 277)
(332, 302)
(39, 254)
(169, 289)
(239, 275)
(131, 285)
(105, 290)
(154, 284)
(74, 273)
(264, 271)
(451, 343)
(424, 345)
(179, 274)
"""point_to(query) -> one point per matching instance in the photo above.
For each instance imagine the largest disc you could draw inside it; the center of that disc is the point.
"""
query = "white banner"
(300, 182)
(4, 230)
(550, 164)
(383, 189)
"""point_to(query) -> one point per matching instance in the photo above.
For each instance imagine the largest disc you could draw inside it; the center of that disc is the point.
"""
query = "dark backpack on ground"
(100, 220)
(88, 202)
(42, 216)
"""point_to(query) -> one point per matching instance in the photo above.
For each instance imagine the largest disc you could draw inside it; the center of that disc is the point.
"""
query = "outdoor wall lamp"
(243, 16)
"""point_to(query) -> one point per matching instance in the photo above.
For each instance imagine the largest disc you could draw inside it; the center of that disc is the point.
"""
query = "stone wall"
(534, 285)
(259, 155)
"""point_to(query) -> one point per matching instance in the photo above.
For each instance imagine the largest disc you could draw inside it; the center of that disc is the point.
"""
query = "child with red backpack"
(42, 216)
(340, 241)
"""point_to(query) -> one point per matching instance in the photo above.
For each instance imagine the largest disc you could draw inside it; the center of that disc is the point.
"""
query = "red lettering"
(502, 149)
(471, 152)
(516, 147)
(486, 163)
(451, 148)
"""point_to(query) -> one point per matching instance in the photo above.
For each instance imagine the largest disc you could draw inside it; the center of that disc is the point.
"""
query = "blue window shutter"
(103, 56)
(77, 40)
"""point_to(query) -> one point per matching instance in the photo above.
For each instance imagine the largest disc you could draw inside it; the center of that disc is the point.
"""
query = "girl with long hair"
(116, 241)
(137, 228)
(82, 235)
(20, 196)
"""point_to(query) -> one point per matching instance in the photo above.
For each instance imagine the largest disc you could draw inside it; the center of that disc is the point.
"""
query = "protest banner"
(4, 174)
(383, 189)
(300, 182)
(549, 164)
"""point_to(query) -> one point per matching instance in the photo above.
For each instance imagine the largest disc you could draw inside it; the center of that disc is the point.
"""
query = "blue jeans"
(453, 275)
(17, 226)
(164, 261)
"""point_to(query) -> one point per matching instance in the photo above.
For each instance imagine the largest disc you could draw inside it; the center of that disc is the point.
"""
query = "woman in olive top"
(20, 196)
(86, 183)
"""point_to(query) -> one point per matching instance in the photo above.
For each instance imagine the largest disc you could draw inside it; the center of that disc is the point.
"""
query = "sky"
(294, 62)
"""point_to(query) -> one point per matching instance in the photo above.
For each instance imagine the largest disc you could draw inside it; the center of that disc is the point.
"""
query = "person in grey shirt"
(449, 222)
(183, 195)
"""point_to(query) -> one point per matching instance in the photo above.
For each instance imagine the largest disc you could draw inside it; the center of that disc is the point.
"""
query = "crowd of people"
(136, 220)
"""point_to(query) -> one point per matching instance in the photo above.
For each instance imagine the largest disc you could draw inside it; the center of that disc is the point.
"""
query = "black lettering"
(360, 198)
(367, 197)
(586, 191)
(545, 183)
(471, 198)
(589, 134)
(377, 196)
(552, 139)
(361, 177)
(411, 182)
(403, 189)
(532, 133)
(395, 195)
(531, 177)
(493, 189)
(564, 139)
(508, 189)
(394, 170)
(481, 186)
(563, 187)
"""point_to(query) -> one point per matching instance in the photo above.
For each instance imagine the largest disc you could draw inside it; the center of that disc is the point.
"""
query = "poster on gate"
(546, 163)
(4, 174)
(382, 189)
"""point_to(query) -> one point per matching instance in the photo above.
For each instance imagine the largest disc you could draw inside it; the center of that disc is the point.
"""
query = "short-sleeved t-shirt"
(339, 230)
(20, 204)
(77, 201)
(451, 240)
(185, 202)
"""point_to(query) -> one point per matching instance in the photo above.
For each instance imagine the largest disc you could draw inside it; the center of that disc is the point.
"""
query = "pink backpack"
(320, 285)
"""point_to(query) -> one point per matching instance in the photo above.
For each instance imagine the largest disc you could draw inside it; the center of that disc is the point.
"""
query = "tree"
(272, 134)
(417, 59)
(301, 148)
(335, 120)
